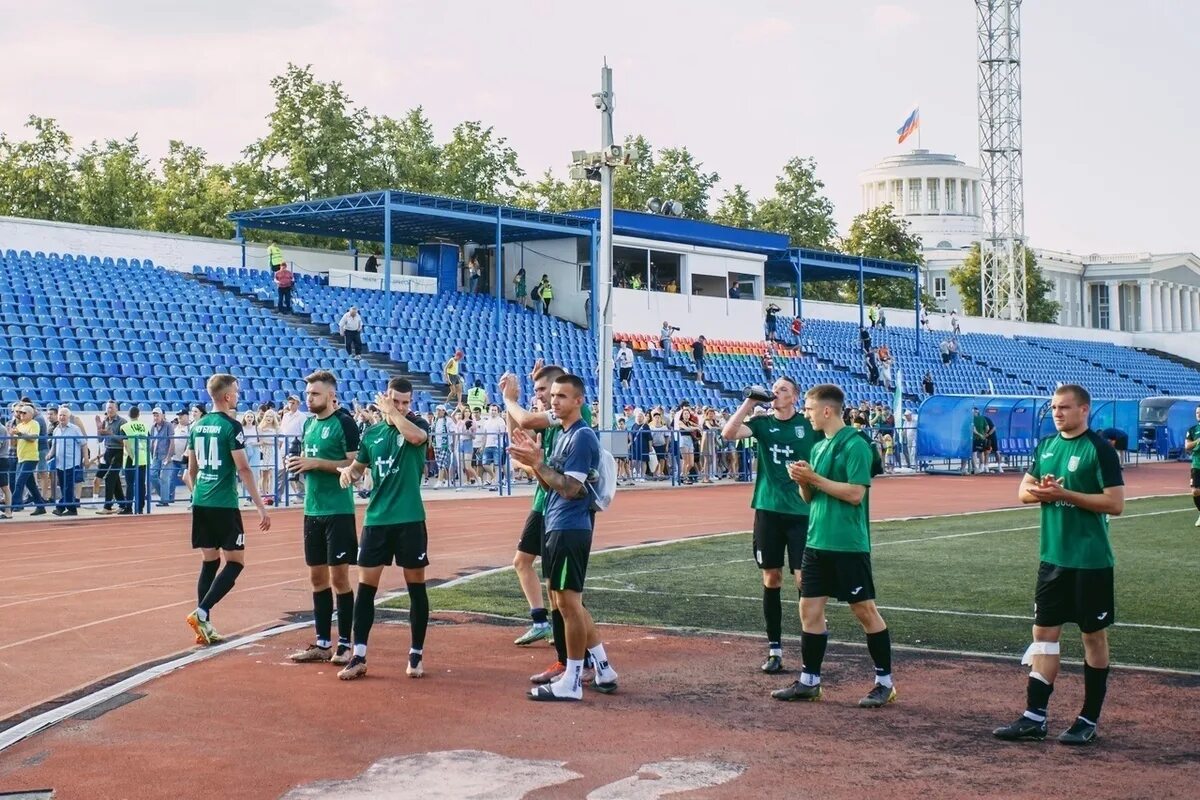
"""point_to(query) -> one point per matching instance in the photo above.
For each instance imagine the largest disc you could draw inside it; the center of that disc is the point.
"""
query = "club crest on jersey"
(325, 433)
(799, 431)
(1073, 464)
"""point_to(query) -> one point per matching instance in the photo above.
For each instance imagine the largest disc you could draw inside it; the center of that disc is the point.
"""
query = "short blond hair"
(218, 384)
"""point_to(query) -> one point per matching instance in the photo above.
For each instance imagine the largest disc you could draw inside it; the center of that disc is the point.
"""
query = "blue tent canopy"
(944, 427)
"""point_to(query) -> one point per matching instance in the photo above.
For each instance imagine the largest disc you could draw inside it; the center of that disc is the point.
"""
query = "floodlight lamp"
(578, 155)
(654, 205)
(673, 208)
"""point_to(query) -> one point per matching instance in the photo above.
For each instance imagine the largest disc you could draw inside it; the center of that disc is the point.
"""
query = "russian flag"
(911, 124)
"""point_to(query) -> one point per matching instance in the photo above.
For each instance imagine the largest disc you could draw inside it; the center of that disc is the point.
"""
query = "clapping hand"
(346, 476)
(801, 472)
(524, 450)
(1049, 489)
(510, 387)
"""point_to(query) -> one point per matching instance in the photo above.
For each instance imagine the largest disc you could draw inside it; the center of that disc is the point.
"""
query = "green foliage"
(115, 184)
(194, 196)
(478, 165)
(1038, 290)
(799, 208)
(401, 154)
(736, 208)
(37, 177)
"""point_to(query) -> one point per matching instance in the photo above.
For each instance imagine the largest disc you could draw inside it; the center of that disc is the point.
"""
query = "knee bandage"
(1039, 649)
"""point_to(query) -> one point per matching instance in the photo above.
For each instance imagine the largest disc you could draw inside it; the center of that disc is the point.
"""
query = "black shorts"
(1195, 478)
(533, 535)
(404, 543)
(1082, 596)
(831, 573)
(625, 373)
(8, 466)
(775, 533)
(565, 559)
(217, 528)
(978, 445)
(331, 540)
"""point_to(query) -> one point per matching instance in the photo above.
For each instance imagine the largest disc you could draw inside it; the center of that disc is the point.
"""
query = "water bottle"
(759, 393)
(294, 449)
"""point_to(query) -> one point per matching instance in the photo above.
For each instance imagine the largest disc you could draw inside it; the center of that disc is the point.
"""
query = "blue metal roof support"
(237, 236)
(594, 255)
(387, 255)
(861, 321)
(917, 310)
(799, 290)
(499, 272)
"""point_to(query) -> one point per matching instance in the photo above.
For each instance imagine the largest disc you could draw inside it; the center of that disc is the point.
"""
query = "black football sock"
(1037, 698)
(364, 613)
(418, 613)
(1196, 501)
(221, 585)
(539, 616)
(560, 635)
(323, 614)
(773, 614)
(879, 645)
(345, 612)
(1095, 686)
(208, 571)
(812, 651)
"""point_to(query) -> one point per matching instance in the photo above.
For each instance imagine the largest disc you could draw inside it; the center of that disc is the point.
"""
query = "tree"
(116, 184)
(966, 278)
(314, 145)
(478, 165)
(400, 154)
(879, 233)
(798, 207)
(736, 208)
(194, 196)
(37, 178)
(677, 175)
(551, 194)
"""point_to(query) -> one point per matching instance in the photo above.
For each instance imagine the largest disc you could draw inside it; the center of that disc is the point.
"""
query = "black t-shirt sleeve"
(419, 422)
(350, 431)
(1110, 462)
(237, 438)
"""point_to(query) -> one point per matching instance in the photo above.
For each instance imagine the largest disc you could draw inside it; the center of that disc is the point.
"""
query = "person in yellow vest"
(137, 463)
(546, 294)
(24, 429)
(477, 397)
(274, 256)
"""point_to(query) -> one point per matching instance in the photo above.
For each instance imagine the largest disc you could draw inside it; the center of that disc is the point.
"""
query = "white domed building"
(941, 197)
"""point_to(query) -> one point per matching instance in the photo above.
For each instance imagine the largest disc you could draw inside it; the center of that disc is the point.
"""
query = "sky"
(1111, 98)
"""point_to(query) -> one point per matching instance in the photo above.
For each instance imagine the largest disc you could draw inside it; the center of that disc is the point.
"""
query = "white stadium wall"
(165, 249)
(558, 260)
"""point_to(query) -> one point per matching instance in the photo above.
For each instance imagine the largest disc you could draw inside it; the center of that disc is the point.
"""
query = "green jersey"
(396, 468)
(832, 523)
(212, 440)
(137, 442)
(330, 439)
(1193, 435)
(980, 424)
(779, 443)
(549, 437)
(1071, 536)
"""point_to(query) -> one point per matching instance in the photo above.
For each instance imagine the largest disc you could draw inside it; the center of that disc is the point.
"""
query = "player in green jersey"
(837, 560)
(328, 443)
(533, 535)
(394, 527)
(1191, 444)
(780, 513)
(216, 455)
(1076, 477)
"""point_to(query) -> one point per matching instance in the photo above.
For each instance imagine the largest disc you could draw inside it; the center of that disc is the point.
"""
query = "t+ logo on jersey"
(776, 451)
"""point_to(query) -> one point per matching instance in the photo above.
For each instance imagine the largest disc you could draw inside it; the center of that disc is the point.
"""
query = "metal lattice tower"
(1002, 250)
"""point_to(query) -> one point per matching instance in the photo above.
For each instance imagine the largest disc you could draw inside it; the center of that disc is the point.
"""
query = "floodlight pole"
(602, 288)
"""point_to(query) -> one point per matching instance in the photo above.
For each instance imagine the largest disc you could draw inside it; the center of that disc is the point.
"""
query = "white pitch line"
(948, 612)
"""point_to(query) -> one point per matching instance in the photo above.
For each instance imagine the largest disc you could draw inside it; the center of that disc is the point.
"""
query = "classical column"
(1176, 311)
(1156, 324)
(1195, 295)
(1114, 305)
(1144, 324)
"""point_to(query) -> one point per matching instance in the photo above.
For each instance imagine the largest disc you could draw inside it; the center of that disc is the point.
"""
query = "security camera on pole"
(599, 166)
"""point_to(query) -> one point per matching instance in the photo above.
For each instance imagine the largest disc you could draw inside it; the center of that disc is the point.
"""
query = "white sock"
(808, 679)
(775, 651)
(1034, 717)
(322, 643)
(202, 615)
(360, 650)
(571, 682)
(604, 671)
(884, 680)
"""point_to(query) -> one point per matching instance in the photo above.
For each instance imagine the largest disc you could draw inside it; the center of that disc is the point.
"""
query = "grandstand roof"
(823, 265)
(415, 219)
(693, 232)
